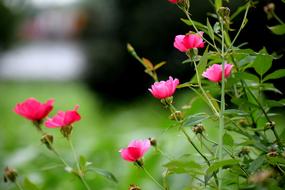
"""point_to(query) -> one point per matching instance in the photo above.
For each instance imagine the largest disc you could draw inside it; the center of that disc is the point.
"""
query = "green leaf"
(235, 112)
(218, 4)
(256, 164)
(195, 119)
(275, 75)
(105, 174)
(278, 29)
(276, 160)
(183, 166)
(270, 87)
(246, 76)
(210, 30)
(228, 140)
(219, 164)
(275, 103)
(262, 62)
(27, 184)
(198, 25)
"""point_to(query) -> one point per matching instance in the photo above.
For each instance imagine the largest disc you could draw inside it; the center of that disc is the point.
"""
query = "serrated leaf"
(263, 62)
(195, 119)
(105, 174)
(27, 184)
(276, 160)
(275, 103)
(278, 29)
(275, 75)
(228, 140)
(219, 164)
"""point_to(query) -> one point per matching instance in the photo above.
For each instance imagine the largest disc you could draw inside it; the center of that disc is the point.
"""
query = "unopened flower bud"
(198, 129)
(47, 140)
(272, 151)
(153, 142)
(177, 115)
(10, 175)
(66, 131)
(134, 187)
(260, 176)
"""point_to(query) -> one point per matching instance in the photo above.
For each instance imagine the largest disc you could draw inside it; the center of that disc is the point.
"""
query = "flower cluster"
(36, 111)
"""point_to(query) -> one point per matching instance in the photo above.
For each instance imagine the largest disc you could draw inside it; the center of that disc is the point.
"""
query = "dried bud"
(243, 123)
(272, 153)
(178, 115)
(224, 12)
(134, 187)
(47, 140)
(198, 129)
(260, 176)
(243, 152)
(10, 174)
(270, 125)
(269, 8)
(153, 142)
(66, 131)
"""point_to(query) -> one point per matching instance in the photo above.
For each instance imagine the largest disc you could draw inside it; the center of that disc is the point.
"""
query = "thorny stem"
(79, 172)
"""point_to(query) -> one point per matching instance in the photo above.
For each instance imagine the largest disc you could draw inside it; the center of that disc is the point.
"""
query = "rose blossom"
(34, 110)
(164, 89)
(63, 119)
(189, 41)
(173, 1)
(214, 72)
(135, 150)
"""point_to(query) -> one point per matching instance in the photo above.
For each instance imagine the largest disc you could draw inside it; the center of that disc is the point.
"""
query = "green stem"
(152, 178)
(222, 109)
(241, 26)
(277, 18)
(203, 91)
(79, 172)
(18, 185)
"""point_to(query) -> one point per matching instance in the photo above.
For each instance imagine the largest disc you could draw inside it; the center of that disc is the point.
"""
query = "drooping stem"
(79, 172)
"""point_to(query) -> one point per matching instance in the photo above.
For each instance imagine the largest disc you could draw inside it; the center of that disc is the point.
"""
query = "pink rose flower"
(173, 1)
(189, 41)
(34, 110)
(63, 119)
(135, 150)
(214, 72)
(164, 89)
